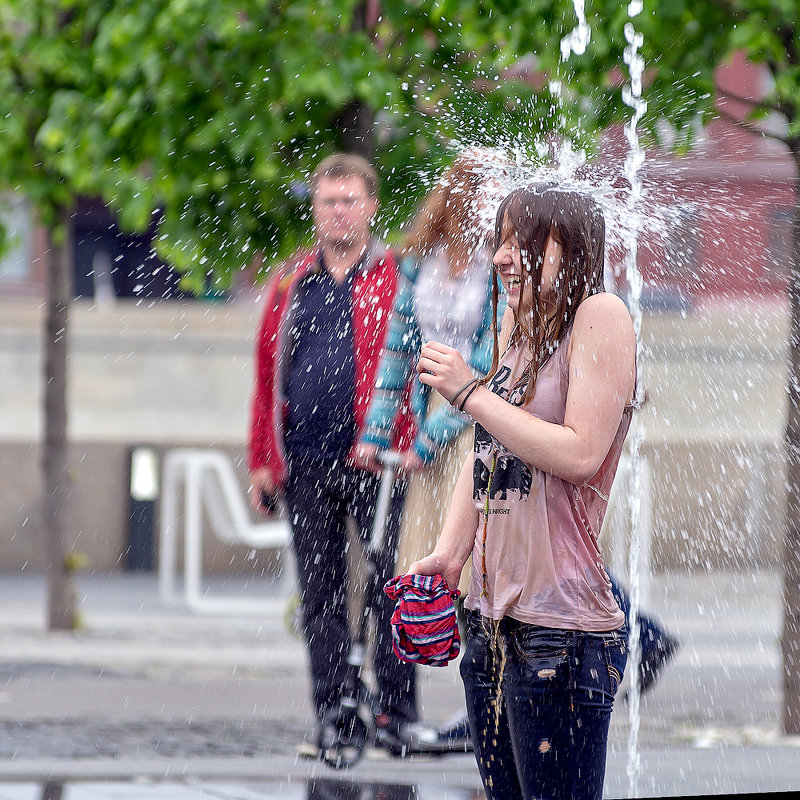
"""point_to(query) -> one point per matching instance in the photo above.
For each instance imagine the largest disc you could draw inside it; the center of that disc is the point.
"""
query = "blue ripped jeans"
(546, 735)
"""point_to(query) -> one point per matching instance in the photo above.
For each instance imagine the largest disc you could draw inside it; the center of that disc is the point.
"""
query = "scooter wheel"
(343, 737)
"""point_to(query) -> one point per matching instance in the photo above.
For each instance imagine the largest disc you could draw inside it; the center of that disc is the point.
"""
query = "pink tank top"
(543, 563)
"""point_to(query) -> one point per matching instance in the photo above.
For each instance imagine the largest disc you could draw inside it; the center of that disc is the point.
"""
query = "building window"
(680, 258)
(15, 217)
(111, 263)
(780, 242)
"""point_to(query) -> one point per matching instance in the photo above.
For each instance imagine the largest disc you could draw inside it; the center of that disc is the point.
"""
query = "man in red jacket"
(325, 319)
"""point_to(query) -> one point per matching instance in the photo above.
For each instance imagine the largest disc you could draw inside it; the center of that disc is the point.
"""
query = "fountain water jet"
(632, 97)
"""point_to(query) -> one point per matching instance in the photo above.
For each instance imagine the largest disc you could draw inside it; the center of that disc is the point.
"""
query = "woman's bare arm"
(601, 365)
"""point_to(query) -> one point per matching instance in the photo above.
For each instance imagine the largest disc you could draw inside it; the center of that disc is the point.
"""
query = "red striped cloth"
(424, 625)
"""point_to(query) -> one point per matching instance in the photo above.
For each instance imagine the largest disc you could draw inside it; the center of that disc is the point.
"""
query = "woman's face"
(517, 282)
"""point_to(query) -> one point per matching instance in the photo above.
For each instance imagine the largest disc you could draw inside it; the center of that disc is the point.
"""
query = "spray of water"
(561, 163)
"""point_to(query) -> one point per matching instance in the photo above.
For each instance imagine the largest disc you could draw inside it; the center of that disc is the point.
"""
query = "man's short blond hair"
(345, 165)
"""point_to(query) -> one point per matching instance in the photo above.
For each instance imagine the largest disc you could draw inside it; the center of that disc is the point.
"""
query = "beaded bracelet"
(469, 393)
(468, 383)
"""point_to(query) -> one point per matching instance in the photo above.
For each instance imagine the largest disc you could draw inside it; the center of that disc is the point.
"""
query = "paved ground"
(164, 703)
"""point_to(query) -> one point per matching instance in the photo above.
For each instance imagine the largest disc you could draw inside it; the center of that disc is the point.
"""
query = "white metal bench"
(208, 481)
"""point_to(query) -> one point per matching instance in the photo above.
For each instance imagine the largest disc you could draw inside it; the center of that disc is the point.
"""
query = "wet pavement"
(322, 789)
(157, 703)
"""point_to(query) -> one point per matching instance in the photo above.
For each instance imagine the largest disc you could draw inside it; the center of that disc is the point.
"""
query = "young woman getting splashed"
(546, 641)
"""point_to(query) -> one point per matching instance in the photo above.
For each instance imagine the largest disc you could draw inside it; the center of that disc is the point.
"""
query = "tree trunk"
(61, 606)
(356, 122)
(356, 126)
(790, 641)
(52, 790)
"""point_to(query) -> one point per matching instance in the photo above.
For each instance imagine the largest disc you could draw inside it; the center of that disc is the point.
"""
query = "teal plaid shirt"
(401, 351)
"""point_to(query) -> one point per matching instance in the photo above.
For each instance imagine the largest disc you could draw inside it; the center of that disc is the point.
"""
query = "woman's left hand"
(435, 565)
(443, 368)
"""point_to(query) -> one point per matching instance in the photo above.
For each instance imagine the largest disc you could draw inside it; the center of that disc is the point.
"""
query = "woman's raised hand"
(443, 368)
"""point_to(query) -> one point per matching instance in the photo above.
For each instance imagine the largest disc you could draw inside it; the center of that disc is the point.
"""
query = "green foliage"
(40, 56)
(206, 116)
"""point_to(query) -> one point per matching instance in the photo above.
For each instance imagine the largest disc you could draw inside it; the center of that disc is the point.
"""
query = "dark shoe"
(389, 736)
(654, 658)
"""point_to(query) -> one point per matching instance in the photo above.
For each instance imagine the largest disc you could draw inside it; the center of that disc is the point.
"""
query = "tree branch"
(787, 36)
(766, 106)
(751, 128)
(727, 7)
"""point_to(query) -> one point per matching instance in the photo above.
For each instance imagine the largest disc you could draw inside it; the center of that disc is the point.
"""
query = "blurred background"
(154, 156)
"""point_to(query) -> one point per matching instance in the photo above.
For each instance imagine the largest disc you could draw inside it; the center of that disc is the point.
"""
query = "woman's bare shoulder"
(606, 310)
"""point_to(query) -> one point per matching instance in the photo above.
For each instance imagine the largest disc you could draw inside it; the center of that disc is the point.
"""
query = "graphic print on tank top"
(511, 478)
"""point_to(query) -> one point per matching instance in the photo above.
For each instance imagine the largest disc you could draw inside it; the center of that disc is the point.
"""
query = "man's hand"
(262, 482)
(365, 456)
(409, 464)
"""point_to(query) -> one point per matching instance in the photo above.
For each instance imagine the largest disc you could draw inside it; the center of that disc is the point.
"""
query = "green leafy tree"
(768, 31)
(684, 38)
(42, 53)
(211, 113)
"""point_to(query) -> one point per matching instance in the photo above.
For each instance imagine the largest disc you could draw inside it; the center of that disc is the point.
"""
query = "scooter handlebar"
(390, 459)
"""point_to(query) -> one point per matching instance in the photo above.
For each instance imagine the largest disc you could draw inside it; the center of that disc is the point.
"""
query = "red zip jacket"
(373, 299)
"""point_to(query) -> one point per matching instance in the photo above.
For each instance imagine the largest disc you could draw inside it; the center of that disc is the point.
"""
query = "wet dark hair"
(576, 222)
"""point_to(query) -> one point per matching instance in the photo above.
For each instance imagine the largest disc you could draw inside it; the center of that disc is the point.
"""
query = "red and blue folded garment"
(424, 624)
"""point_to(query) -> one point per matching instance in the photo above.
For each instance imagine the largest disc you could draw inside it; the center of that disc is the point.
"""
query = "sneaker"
(405, 738)
(307, 750)
(456, 735)
(416, 738)
(654, 659)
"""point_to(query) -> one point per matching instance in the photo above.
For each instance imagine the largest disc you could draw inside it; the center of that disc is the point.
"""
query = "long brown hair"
(447, 216)
(575, 221)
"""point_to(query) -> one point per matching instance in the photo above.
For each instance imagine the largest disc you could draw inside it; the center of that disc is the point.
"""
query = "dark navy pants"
(320, 495)
(539, 702)
(650, 632)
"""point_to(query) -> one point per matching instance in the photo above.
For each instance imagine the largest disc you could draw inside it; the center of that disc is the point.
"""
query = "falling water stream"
(632, 97)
